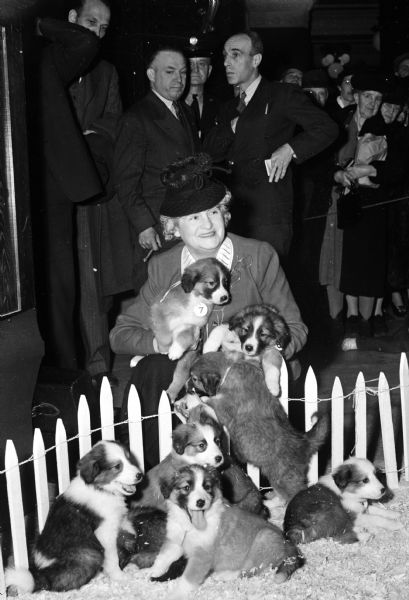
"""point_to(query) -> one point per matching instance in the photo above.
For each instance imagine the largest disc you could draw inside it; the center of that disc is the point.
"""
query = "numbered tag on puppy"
(200, 310)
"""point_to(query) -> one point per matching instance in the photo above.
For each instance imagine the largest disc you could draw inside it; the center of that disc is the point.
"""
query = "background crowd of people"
(305, 147)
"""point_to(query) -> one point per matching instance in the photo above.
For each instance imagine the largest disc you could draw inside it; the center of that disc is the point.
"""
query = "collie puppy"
(262, 334)
(340, 506)
(196, 442)
(178, 316)
(81, 531)
(259, 429)
(217, 537)
(199, 441)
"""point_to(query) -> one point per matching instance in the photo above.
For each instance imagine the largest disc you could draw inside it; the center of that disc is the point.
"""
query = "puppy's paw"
(272, 378)
(175, 351)
(216, 338)
(134, 361)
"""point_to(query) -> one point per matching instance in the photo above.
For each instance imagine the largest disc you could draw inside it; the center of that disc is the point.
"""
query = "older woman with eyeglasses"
(197, 213)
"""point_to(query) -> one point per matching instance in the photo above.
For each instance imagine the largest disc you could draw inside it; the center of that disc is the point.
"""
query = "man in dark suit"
(66, 175)
(154, 132)
(102, 227)
(203, 105)
(261, 127)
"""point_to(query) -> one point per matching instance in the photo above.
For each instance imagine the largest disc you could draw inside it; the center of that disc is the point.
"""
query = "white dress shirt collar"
(250, 91)
(168, 103)
(224, 255)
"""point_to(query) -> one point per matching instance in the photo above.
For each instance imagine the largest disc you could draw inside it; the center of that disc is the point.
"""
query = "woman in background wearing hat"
(196, 211)
(353, 260)
(396, 184)
(376, 169)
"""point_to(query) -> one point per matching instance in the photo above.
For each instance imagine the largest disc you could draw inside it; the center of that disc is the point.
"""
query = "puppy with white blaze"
(217, 537)
(263, 335)
(340, 506)
(179, 314)
(260, 431)
(81, 531)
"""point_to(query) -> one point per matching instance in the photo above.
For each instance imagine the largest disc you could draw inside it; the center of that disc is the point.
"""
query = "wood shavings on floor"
(377, 569)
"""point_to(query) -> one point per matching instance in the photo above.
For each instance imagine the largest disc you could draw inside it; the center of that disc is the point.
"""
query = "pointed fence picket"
(16, 510)
(164, 422)
(388, 438)
(337, 424)
(61, 451)
(40, 477)
(135, 427)
(165, 426)
(84, 426)
(361, 442)
(404, 402)
(106, 406)
(310, 409)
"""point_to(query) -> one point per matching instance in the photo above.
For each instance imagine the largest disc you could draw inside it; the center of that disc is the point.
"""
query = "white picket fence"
(164, 418)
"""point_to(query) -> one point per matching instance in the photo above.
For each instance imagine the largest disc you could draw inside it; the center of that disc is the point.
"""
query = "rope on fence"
(371, 391)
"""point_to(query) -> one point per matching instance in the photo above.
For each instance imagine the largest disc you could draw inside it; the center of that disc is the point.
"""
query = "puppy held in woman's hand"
(184, 309)
(261, 334)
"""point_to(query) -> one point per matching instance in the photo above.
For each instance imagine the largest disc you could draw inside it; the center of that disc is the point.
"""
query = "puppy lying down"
(340, 506)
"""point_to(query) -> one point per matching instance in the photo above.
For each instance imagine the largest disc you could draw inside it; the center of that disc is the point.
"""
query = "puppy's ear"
(210, 381)
(166, 485)
(89, 467)
(342, 476)
(189, 279)
(180, 437)
(235, 321)
(214, 475)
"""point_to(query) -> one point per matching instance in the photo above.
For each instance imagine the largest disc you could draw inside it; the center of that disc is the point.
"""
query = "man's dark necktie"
(196, 110)
(241, 105)
(177, 110)
(180, 115)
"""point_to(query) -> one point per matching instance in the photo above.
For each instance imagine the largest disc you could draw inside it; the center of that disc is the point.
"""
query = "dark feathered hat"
(369, 80)
(190, 187)
(316, 78)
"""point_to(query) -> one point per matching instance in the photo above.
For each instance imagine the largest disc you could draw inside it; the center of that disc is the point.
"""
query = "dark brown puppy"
(259, 429)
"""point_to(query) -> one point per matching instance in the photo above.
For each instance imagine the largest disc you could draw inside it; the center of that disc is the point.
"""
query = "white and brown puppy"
(80, 534)
(217, 537)
(199, 441)
(263, 335)
(259, 429)
(178, 316)
(340, 506)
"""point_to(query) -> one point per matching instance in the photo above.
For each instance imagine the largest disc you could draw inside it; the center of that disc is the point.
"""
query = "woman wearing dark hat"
(352, 262)
(196, 210)
(398, 227)
(375, 169)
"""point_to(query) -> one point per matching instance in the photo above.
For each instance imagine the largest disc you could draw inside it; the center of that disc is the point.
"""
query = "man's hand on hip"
(280, 159)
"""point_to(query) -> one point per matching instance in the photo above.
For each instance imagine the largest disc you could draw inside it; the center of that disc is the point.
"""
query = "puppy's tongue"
(198, 519)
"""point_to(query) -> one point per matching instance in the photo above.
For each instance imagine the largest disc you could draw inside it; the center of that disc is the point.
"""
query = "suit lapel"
(167, 121)
(258, 105)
